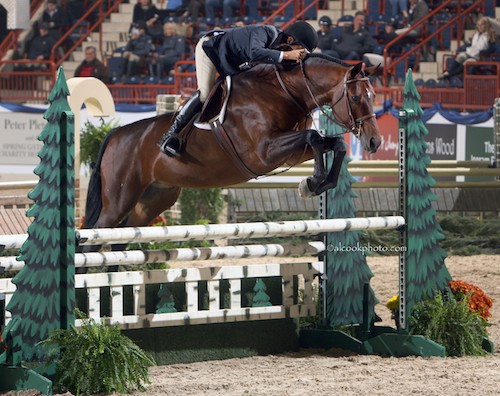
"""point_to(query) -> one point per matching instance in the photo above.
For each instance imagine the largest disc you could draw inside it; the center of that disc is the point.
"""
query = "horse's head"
(352, 106)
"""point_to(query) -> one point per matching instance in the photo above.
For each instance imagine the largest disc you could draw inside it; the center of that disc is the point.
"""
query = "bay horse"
(269, 106)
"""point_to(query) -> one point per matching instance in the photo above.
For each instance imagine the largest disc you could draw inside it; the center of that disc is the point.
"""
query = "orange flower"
(478, 300)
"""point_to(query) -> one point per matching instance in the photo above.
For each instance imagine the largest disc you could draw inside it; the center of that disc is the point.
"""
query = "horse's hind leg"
(153, 202)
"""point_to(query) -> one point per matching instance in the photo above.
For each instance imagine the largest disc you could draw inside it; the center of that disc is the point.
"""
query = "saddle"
(216, 104)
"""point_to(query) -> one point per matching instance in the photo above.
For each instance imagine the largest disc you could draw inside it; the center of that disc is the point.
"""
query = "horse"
(268, 109)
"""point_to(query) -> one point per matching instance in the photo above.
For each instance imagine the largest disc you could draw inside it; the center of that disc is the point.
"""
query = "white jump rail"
(136, 257)
(102, 236)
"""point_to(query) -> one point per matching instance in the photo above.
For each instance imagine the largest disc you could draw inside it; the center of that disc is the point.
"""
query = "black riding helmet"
(304, 34)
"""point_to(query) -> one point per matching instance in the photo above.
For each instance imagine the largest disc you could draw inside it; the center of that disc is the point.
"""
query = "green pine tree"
(346, 267)
(347, 271)
(260, 298)
(44, 297)
(166, 303)
(426, 271)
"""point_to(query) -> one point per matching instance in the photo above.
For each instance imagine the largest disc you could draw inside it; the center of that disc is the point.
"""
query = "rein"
(354, 125)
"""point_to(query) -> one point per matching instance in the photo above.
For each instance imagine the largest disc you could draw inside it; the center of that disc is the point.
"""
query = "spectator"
(91, 66)
(240, 22)
(145, 11)
(389, 34)
(55, 19)
(41, 45)
(485, 35)
(355, 40)
(137, 49)
(325, 36)
(402, 6)
(418, 10)
(171, 51)
(226, 5)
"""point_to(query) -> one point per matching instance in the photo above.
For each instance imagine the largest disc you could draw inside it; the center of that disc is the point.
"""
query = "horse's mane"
(263, 69)
(318, 55)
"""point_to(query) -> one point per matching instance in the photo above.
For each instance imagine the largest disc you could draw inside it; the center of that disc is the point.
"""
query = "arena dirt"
(336, 372)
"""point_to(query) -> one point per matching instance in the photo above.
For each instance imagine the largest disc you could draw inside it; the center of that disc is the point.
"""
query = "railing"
(390, 69)
(112, 5)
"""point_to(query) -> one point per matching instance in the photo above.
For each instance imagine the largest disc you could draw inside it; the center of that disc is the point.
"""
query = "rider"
(231, 51)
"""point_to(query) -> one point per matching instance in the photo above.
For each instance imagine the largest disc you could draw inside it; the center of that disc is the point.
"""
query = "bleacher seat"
(116, 66)
(169, 80)
(419, 82)
(456, 82)
(430, 83)
(150, 80)
(132, 80)
(117, 80)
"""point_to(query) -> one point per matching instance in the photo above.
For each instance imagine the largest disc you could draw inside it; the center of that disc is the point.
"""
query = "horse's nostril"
(373, 144)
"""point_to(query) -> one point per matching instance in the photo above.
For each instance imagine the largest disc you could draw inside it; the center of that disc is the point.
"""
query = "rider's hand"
(294, 55)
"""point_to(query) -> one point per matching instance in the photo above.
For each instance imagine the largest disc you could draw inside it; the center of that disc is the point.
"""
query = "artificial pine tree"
(44, 298)
(426, 271)
(166, 303)
(261, 298)
(346, 268)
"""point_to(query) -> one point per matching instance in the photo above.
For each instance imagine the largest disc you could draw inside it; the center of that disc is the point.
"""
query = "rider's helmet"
(304, 34)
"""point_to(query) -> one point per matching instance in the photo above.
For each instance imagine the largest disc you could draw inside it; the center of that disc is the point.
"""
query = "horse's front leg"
(319, 181)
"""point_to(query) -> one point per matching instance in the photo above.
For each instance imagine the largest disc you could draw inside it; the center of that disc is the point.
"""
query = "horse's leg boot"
(169, 142)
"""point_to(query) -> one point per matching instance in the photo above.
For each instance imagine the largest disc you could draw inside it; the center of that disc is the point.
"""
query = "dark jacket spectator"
(41, 45)
(326, 36)
(389, 34)
(54, 17)
(145, 11)
(91, 66)
(171, 50)
(139, 46)
(355, 40)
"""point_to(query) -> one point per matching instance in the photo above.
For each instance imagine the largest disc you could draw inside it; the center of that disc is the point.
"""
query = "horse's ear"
(356, 69)
(370, 71)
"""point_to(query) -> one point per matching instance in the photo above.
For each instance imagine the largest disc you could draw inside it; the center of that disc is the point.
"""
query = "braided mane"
(328, 58)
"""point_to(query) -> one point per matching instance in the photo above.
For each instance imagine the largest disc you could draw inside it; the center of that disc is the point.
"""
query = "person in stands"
(355, 40)
(54, 17)
(227, 6)
(91, 66)
(326, 36)
(484, 35)
(418, 10)
(40, 47)
(171, 50)
(138, 47)
(232, 51)
(389, 34)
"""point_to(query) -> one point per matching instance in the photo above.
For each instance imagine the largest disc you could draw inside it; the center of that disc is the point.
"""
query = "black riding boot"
(169, 142)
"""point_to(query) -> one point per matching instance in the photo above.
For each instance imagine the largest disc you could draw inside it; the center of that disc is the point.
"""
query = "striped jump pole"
(137, 257)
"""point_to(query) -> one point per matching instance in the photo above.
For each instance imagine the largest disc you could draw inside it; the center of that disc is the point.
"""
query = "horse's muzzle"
(373, 144)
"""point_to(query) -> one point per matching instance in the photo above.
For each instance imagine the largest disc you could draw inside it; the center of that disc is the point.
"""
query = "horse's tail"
(93, 205)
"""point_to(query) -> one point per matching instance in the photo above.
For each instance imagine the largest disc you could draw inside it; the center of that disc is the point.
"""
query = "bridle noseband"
(355, 124)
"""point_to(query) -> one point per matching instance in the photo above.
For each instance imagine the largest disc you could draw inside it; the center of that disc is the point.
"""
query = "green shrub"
(97, 359)
(449, 323)
(91, 139)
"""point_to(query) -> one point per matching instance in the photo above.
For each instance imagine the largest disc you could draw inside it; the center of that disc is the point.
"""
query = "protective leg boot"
(169, 142)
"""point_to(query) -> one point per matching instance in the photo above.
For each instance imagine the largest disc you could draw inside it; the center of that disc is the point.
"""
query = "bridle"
(355, 125)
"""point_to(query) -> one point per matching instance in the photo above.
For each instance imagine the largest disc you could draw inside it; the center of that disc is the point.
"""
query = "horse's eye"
(355, 99)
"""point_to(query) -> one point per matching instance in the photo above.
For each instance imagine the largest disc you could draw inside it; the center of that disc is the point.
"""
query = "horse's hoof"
(304, 190)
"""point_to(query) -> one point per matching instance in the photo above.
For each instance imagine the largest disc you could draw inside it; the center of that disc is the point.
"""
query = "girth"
(227, 145)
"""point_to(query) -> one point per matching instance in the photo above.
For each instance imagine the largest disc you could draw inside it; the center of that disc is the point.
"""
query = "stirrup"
(170, 145)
